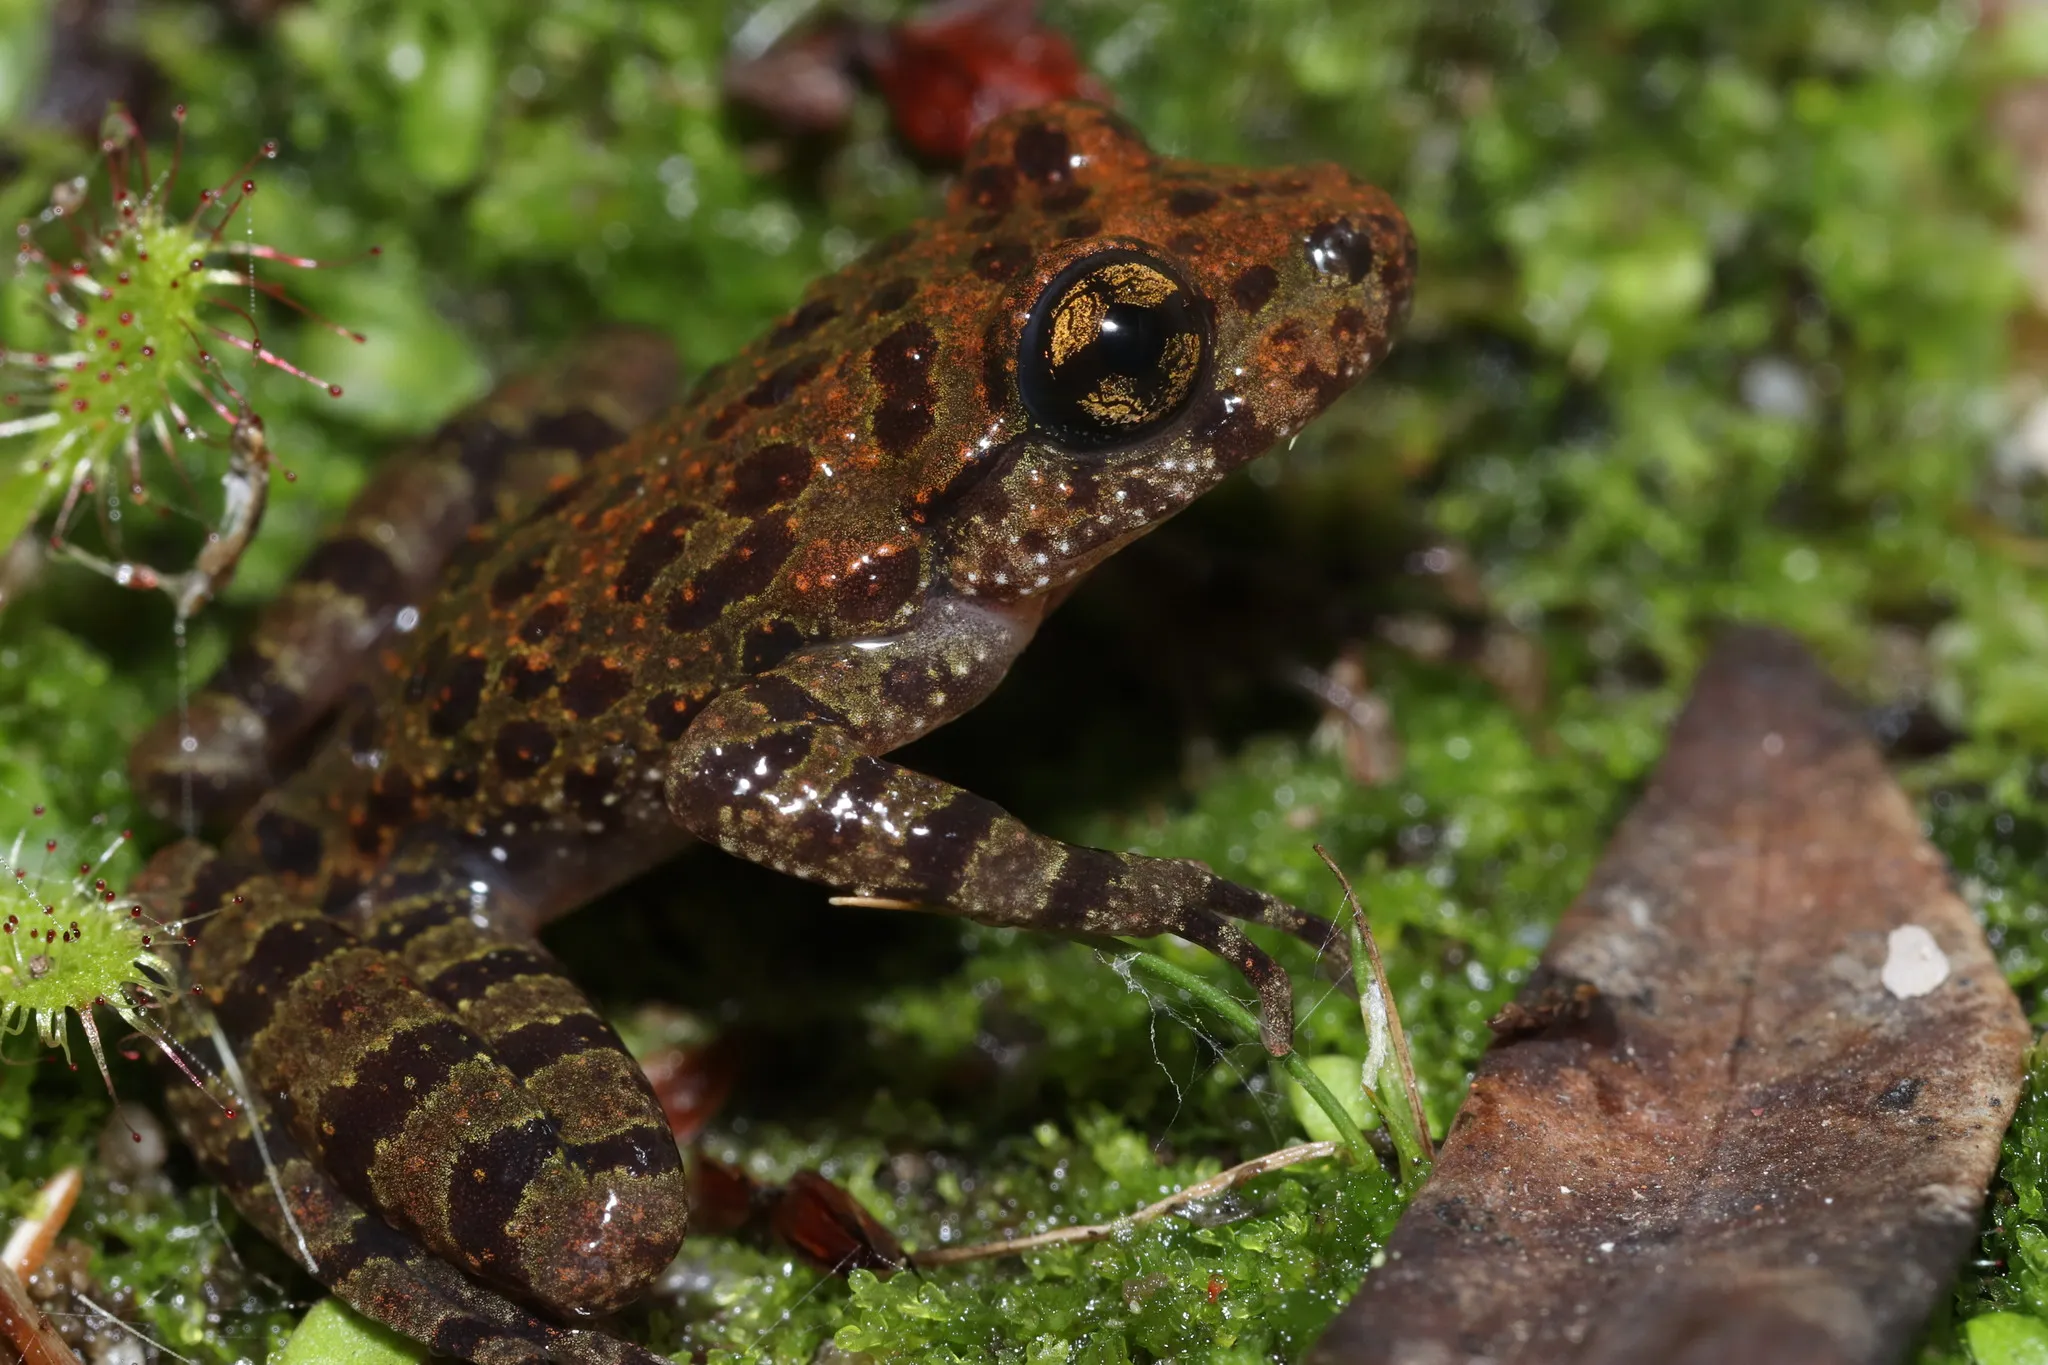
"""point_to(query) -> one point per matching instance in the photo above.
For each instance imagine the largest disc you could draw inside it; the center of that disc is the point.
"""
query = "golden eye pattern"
(1112, 350)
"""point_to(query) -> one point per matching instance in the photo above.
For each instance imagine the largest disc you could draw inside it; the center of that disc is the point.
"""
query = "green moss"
(1713, 322)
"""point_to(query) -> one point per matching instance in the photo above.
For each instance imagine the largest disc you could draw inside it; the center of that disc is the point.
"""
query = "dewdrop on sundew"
(69, 943)
(143, 298)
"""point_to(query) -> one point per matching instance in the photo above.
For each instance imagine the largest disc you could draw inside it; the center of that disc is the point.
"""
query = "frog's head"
(1156, 323)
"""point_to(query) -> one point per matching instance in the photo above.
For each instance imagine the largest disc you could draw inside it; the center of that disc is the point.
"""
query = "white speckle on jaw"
(1774, 744)
(1914, 963)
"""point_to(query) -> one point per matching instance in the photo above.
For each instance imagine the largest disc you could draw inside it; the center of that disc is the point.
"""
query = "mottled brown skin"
(715, 629)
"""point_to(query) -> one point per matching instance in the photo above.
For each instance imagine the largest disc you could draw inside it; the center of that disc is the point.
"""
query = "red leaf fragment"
(691, 1084)
(824, 1225)
(1748, 1108)
(945, 72)
(957, 66)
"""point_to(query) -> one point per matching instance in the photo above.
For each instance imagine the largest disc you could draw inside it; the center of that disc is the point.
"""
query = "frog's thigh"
(540, 1026)
(414, 1114)
(388, 550)
(380, 1272)
(782, 772)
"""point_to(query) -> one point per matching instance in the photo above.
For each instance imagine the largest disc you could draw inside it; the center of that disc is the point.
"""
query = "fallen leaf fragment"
(1747, 1109)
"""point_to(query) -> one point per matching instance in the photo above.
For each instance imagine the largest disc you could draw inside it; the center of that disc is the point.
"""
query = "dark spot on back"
(523, 747)
(1042, 153)
(1899, 1096)
(901, 364)
(1188, 243)
(526, 678)
(593, 687)
(748, 565)
(354, 566)
(517, 580)
(1254, 288)
(457, 780)
(773, 474)
(1247, 189)
(287, 844)
(585, 789)
(578, 430)
(545, 620)
(670, 713)
(654, 549)
(462, 687)
(1081, 225)
(889, 298)
(392, 799)
(992, 188)
(803, 322)
(785, 381)
(1001, 260)
(724, 420)
(1348, 326)
(878, 589)
(1065, 198)
(769, 644)
(1191, 202)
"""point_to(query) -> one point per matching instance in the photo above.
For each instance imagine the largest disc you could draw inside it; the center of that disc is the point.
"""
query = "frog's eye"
(1112, 350)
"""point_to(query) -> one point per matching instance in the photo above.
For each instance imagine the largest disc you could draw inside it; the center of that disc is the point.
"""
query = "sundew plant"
(1723, 314)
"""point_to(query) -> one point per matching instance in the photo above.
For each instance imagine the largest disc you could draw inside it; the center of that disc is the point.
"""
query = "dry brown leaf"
(1748, 1108)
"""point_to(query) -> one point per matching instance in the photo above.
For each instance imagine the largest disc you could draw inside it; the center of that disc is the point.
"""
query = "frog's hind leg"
(375, 1269)
(505, 1131)
(494, 460)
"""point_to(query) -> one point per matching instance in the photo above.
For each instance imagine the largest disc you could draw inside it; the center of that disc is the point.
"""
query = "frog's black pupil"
(1112, 350)
(1133, 340)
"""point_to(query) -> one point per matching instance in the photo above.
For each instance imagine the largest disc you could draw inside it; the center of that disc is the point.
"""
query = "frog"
(589, 624)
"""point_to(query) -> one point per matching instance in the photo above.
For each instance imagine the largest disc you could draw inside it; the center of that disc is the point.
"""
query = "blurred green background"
(1722, 315)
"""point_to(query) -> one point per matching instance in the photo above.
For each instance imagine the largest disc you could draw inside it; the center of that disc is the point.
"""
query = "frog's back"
(819, 487)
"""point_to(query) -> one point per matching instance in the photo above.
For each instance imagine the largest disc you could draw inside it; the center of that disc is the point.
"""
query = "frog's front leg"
(783, 771)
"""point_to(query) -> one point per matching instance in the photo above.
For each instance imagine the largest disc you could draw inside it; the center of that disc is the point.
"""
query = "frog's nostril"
(1339, 249)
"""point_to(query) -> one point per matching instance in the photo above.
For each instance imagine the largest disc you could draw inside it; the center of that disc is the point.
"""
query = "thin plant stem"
(1226, 1007)
(1102, 1232)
